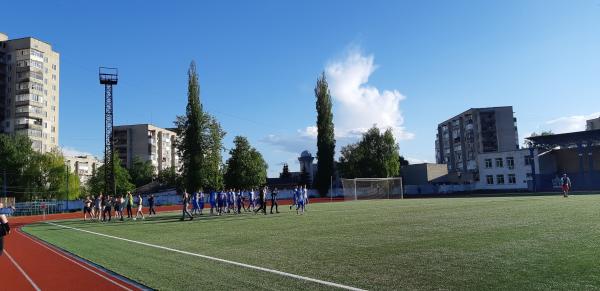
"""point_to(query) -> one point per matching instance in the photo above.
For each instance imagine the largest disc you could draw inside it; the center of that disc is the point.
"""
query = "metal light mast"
(108, 78)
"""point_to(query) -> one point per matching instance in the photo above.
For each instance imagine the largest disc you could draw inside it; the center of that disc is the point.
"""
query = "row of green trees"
(26, 174)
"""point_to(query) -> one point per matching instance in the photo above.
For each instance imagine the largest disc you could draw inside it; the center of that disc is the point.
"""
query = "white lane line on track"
(285, 274)
(22, 271)
(76, 262)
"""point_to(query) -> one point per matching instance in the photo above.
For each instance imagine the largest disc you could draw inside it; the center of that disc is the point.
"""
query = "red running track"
(30, 264)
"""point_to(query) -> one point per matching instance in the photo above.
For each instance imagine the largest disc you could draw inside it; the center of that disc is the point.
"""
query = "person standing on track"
(186, 203)
(139, 212)
(274, 200)
(4, 229)
(151, 205)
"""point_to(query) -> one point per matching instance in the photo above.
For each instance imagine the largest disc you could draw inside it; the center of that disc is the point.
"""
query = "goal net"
(372, 188)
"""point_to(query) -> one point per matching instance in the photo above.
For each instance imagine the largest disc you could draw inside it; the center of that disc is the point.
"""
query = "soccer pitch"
(457, 243)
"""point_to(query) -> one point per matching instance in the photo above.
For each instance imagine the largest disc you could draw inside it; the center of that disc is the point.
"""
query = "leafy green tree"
(141, 172)
(200, 142)
(246, 167)
(122, 179)
(16, 157)
(170, 177)
(214, 170)
(325, 136)
(374, 156)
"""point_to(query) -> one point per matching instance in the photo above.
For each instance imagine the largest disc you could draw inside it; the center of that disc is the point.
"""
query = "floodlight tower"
(108, 78)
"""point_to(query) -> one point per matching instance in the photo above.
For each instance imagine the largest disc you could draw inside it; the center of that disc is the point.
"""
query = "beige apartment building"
(84, 166)
(29, 90)
(148, 142)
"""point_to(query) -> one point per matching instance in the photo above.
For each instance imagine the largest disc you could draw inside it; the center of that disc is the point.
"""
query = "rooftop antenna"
(108, 78)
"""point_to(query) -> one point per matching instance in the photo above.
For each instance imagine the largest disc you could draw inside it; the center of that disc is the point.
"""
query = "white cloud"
(358, 105)
(569, 123)
(72, 152)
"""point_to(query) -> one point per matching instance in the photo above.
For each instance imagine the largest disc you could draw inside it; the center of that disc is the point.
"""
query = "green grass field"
(511, 243)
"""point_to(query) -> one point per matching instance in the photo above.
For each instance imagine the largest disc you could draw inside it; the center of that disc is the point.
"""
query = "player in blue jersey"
(300, 201)
(213, 201)
(294, 196)
(200, 201)
(194, 198)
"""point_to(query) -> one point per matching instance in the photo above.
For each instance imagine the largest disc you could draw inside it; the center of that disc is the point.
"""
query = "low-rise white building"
(509, 170)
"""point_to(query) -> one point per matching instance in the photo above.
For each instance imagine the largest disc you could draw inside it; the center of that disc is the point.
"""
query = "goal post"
(373, 188)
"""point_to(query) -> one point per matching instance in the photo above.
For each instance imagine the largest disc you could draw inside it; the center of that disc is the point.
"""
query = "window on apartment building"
(488, 163)
(528, 160)
(512, 179)
(499, 163)
(510, 162)
(53, 67)
(489, 179)
(499, 179)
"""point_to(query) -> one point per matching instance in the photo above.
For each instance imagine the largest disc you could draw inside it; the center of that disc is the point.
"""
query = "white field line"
(77, 263)
(22, 272)
(285, 274)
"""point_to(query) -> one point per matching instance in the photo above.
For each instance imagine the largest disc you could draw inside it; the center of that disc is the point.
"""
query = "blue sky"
(401, 64)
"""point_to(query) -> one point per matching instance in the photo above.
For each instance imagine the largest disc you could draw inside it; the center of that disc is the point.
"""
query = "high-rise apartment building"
(29, 90)
(148, 142)
(460, 139)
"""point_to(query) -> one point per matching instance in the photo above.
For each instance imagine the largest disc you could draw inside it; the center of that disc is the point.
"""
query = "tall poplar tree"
(191, 148)
(200, 142)
(325, 136)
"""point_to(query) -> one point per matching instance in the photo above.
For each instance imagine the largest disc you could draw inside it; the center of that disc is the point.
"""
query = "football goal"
(373, 188)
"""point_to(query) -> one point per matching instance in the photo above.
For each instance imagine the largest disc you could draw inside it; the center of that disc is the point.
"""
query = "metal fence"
(37, 207)
(7, 201)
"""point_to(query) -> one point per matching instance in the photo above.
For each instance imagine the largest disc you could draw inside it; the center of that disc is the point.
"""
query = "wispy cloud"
(568, 123)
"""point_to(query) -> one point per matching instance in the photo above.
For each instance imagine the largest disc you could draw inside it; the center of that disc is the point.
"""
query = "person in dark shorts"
(274, 200)
(262, 200)
(107, 208)
(87, 208)
(151, 205)
(129, 201)
(186, 203)
(118, 204)
(4, 229)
